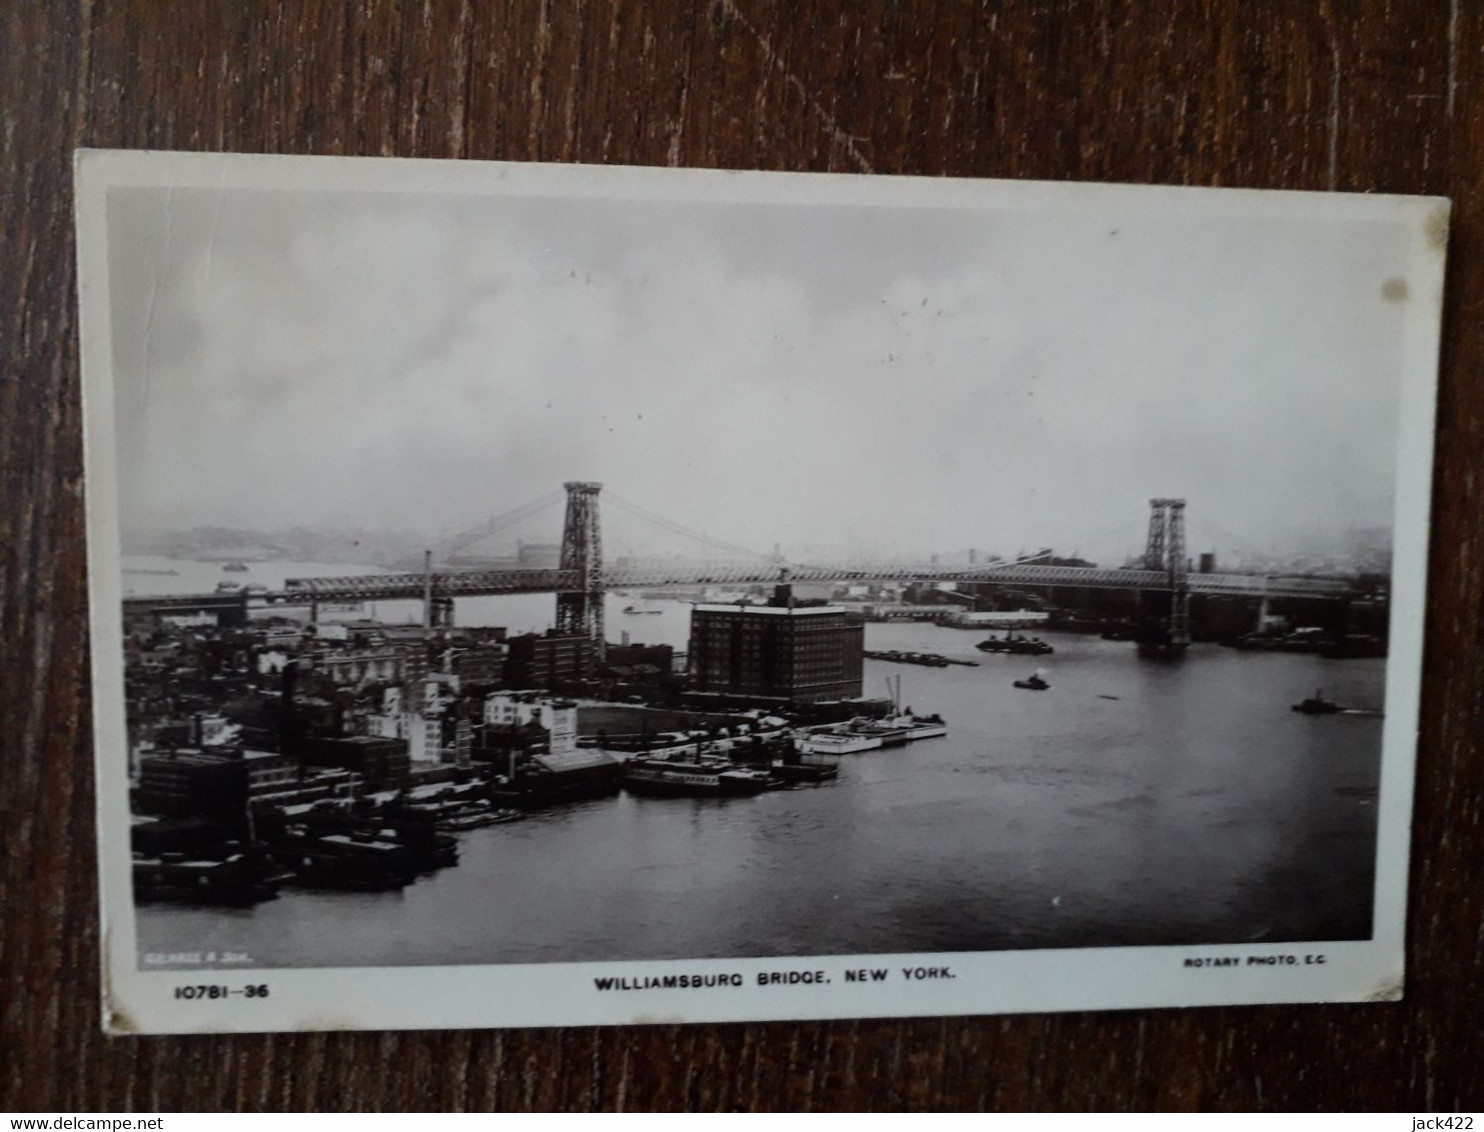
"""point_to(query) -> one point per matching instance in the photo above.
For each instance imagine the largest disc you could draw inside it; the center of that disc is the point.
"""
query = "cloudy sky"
(867, 379)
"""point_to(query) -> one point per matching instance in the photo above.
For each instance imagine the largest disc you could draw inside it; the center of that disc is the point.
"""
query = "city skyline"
(331, 359)
(1357, 549)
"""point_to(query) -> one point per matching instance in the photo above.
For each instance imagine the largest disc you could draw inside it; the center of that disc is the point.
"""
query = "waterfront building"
(428, 716)
(192, 783)
(549, 661)
(217, 783)
(381, 763)
(780, 651)
(268, 772)
(424, 736)
(996, 619)
(655, 658)
(390, 721)
(513, 711)
(478, 665)
(313, 785)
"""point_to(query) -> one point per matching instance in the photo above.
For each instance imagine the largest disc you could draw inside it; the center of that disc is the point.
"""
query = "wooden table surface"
(1358, 96)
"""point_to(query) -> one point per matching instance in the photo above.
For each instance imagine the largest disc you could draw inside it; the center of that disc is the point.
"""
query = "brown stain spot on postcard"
(118, 1022)
(1394, 290)
(1388, 990)
(115, 1020)
(1436, 227)
(321, 1025)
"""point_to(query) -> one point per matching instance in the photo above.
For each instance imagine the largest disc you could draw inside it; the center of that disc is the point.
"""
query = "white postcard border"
(415, 997)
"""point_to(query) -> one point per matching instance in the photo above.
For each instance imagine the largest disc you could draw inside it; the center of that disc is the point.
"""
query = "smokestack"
(427, 591)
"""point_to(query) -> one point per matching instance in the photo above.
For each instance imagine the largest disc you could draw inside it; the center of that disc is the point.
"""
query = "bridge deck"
(478, 583)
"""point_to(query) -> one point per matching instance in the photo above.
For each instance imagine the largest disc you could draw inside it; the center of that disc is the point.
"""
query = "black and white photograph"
(695, 595)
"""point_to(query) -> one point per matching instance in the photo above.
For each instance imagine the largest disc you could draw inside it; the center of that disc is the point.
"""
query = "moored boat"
(796, 767)
(237, 880)
(347, 861)
(871, 734)
(864, 733)
(695, 778)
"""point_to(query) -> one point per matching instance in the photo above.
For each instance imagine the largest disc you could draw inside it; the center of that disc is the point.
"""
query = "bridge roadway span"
(484, 583)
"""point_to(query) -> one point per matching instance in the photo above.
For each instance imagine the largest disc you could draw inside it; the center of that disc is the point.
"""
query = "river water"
(1135, 803)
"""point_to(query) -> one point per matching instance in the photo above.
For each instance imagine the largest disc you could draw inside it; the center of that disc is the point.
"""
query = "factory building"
(802, 653)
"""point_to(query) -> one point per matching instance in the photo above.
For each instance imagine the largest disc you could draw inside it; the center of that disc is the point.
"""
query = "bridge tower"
(1154, 546)
(1165, 630)
(1179, 575)
(580, 611)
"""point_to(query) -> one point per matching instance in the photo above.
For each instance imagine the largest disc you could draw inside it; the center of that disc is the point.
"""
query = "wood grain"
(1361, 95)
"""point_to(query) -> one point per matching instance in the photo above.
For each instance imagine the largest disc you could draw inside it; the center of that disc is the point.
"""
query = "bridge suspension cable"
(490, 527)
(680, 529)
(1208, 526)
(1132, 522)
(972, 570)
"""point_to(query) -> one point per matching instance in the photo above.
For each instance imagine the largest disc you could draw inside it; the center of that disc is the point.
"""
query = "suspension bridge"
(582, 577)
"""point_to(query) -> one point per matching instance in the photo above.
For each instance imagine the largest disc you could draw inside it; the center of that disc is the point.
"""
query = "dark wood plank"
(1361, 95)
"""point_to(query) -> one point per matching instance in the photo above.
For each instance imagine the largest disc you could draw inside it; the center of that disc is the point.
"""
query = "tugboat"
(1317, 704)
(1033, 684)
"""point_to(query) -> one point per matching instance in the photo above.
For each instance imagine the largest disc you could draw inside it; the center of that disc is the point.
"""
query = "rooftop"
(576, 760)
(774, 610)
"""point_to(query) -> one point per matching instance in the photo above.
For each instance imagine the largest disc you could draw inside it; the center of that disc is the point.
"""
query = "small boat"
(1317, 705)
(478, 819)
(695, 777)
(929, 659)
(235, 567)
(635, 611)
(1033, 684)
(1014, 645)
(807, 769)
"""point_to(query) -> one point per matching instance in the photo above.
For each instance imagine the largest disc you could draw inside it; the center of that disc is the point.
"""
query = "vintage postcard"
(543, 595)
